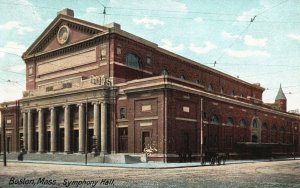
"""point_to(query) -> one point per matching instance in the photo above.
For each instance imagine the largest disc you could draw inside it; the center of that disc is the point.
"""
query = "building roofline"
(166, 80)
(133, 37)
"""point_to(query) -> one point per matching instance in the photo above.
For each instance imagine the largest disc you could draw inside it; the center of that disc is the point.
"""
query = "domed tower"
(280, 100)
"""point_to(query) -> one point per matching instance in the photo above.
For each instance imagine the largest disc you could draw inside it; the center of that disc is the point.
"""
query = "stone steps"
(62, 157)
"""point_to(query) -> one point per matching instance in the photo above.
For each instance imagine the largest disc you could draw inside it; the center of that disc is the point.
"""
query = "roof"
(105, 29)
(280, 95)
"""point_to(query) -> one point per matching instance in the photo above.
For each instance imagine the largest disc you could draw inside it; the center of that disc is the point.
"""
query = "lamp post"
(86, 130)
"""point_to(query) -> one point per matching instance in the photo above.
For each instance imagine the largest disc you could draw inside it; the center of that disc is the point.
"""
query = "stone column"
(41, 130)
(30, 131)
(25, 131)
(103, 127)
(67, 130)
(81, 128)
(97, 125)
(53, 127)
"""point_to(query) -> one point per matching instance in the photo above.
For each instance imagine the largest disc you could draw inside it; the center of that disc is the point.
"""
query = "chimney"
(67, 12)
(113, 25)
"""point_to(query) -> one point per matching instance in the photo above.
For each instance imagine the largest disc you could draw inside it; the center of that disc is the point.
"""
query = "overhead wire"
(243, 31)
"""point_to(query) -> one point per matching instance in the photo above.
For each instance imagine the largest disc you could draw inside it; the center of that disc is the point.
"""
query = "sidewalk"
(149, 165)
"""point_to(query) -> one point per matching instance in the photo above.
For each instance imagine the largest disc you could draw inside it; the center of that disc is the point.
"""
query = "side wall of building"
(154, 61)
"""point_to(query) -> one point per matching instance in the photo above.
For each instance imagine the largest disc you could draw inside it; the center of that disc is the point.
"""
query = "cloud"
(12, 47)
(167, 44)
(28, 11)
(228, 36)
(17, 68)
(173, 5)
(294, 36)
(147, 22)
(247, 15)
(202, 50)
(250, 41)
(247, 53)
(14, 25)
(198, 19)
(11, 91)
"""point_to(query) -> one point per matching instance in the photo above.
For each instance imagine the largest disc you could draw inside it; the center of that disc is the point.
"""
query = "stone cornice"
(66, 93)
(87, 43)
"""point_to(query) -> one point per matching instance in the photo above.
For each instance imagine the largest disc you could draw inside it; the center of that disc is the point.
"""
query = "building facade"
(103, 90)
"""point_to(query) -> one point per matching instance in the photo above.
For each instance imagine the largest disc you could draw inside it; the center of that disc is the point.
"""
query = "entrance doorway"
(123, 140)
(145, 139)
(8, 144)
(254, 138)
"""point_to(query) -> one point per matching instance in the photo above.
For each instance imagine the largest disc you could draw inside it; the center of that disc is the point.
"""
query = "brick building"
(10, 116)
(114, 92)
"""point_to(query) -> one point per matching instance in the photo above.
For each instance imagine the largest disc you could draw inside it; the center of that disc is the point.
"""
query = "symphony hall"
(101, 90)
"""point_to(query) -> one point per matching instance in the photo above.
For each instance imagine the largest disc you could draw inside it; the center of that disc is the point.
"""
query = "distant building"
(133, 94)
(10, 116)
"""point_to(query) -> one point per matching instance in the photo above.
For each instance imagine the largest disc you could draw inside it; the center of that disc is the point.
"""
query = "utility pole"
(201, 130)
(4, 140)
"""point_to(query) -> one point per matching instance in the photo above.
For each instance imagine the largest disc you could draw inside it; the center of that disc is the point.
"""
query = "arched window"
(210, 87)
(230, 121)
(214, 119)
(274, 127)
(243, 123)
(264, 126)
(254, 123)
(197, 81)
(182, 77)
(232, 93)
(164, 72)
(133, 61)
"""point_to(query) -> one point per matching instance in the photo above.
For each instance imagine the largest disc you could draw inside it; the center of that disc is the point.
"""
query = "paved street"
(262, 174)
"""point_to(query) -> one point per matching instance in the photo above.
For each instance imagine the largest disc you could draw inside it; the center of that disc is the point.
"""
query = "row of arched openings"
(243, 123)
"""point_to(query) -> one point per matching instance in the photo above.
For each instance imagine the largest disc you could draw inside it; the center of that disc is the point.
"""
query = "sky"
(257, 41)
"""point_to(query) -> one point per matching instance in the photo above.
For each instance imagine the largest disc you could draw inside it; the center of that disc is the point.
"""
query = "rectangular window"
(119, 51)
(148, 60)
(146, 108)
(122, 113)
(103, 53)
(8, 121)
(30, 71)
